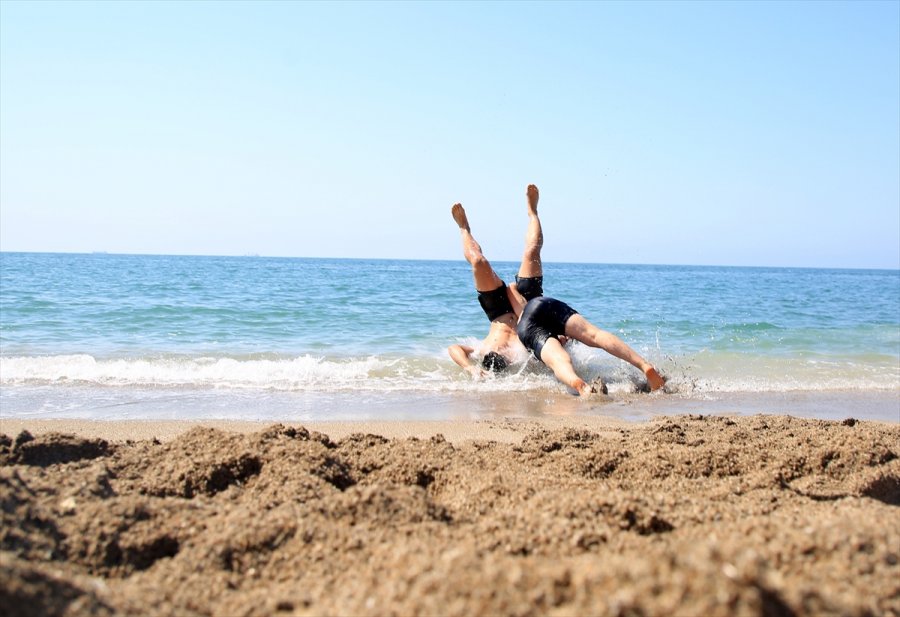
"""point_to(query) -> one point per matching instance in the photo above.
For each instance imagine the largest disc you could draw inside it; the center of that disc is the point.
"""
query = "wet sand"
(681, 515)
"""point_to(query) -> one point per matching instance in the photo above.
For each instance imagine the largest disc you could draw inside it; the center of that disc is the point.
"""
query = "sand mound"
(689, 515)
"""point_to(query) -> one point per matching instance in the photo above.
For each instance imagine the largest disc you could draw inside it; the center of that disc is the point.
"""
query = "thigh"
(485, 277)
(558, 360)
(585, 332)
(580, 329)
(530, 267)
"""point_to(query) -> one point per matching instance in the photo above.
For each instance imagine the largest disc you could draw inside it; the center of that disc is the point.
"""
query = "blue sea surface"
(143, 336)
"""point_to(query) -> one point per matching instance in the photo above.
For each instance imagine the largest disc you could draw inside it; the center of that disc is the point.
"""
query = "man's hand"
(476, 372)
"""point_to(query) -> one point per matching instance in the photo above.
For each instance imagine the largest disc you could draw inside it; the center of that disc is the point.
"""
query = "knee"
(479, 261)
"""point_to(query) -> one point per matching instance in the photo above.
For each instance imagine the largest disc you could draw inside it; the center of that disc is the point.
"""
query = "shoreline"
(506, 430)
(502, 422)
(110, 404)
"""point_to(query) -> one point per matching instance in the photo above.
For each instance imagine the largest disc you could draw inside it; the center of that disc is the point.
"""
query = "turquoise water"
(254, 337)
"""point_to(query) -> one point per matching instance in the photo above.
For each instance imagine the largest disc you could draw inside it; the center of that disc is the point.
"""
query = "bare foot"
(585, 389)
(581, 387)
(654, 379)
(459, 215)
(532, 194)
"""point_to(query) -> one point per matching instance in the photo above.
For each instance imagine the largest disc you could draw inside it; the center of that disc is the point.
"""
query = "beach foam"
(697, 374)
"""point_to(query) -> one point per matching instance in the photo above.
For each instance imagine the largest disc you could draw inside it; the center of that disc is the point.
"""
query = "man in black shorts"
(501, 346)
(543, 319)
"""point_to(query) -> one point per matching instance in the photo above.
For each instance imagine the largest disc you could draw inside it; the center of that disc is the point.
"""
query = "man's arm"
(515, 299)
(461, 354)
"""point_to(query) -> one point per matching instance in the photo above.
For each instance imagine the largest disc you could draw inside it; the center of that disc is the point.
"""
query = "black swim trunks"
(495, 302)
(542, 318)
(530, 286)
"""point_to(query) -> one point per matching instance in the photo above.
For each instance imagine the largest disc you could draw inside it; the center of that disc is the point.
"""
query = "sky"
(710, 133)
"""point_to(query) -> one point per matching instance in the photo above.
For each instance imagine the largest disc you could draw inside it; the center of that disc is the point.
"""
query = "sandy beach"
(681, 515)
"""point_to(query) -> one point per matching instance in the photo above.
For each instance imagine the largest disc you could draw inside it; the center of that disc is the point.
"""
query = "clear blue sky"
(763, 133)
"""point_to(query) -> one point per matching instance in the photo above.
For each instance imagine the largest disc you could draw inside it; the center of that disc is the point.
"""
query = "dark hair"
(493, 361)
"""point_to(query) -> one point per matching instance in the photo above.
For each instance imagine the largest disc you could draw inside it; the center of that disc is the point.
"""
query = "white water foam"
(303, 373)
(694, 376)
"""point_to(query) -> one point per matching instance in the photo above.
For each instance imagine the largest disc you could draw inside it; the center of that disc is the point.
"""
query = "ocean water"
(184, 337)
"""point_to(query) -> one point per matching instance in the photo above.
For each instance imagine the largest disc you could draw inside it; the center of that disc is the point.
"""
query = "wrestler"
(501, 345)
(543, 319)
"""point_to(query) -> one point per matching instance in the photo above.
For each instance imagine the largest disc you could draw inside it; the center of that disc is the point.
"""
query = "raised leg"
(580, 329)
(485, 277)
(534, 237)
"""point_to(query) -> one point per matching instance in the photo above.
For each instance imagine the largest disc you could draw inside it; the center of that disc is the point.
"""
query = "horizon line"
(503, 261)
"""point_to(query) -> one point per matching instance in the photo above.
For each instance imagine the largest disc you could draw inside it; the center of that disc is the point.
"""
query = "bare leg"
(559, 361)
(534, 237)
(485, 277)
(580, 329)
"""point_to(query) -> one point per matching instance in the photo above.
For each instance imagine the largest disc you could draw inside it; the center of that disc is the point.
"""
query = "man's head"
(494, 362)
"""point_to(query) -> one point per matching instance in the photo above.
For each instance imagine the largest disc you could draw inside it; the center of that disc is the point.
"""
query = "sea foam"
(694, 375)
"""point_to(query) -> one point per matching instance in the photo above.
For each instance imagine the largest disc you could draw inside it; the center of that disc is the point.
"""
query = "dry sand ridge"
(687, 515)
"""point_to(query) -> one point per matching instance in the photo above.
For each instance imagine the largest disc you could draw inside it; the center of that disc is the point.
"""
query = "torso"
(503, 339)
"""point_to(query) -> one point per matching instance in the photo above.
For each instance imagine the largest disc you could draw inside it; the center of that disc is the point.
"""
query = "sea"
(157, 337)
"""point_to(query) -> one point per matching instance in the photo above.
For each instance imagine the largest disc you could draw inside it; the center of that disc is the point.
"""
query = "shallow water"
(127, 336)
